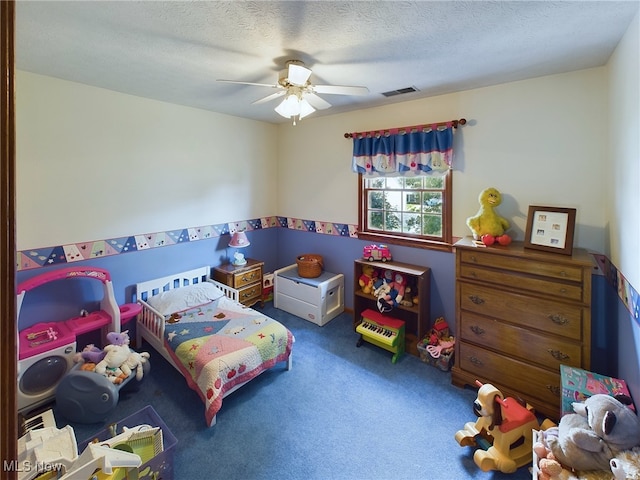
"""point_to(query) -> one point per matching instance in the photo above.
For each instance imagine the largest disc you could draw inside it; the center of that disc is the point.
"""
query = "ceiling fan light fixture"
(298, 74)
(305, 108)
(289, 107)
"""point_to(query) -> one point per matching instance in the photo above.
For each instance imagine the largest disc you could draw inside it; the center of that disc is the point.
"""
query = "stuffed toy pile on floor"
(601, 440)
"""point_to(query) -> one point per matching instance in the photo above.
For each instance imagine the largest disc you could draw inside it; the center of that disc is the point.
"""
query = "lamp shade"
(294, 105)
(239, 240)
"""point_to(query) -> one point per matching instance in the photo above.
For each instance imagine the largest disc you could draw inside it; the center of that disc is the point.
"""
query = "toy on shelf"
(503, 431)
(487, 225)
(379, 253)
(367, 279)
(391, 292)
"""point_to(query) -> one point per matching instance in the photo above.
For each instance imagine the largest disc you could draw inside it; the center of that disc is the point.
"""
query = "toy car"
(376, 252)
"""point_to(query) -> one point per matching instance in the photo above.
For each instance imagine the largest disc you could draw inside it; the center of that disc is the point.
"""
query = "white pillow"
(183, 298)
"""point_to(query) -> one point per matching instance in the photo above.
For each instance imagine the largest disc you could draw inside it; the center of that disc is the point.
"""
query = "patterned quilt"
(223, 344)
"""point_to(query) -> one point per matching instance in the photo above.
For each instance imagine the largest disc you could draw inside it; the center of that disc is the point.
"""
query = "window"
(413, 211)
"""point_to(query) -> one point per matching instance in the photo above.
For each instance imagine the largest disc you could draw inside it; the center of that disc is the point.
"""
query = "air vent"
(400, 91)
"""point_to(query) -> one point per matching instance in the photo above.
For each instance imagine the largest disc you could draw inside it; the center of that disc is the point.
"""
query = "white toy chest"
(317, 300)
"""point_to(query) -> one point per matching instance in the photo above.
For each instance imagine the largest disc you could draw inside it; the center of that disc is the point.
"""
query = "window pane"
(392, 222)
(432, 225)
(374, 182)
(411, 223)
(376, 199)
(432, 202)
(413, 182)
(433, 182)
(395, 182)
(393, 200)
(411, 201)
(376, 220)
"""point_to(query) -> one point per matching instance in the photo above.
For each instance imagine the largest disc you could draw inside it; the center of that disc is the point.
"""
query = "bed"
(199, 326)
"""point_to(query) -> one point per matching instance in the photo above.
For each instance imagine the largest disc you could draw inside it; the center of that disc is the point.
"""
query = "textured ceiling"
(174, 51)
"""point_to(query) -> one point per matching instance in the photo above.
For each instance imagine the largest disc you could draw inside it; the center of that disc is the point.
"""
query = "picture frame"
(550, 229)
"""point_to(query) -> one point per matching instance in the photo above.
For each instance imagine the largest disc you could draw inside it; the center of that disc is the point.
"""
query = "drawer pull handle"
(474, 259)
(477, 330)
(476, 299)
(563, 290)
(473, 274)
(554, 389)
(476, 361)
(558, 355)
(563, 273)
(558, 319)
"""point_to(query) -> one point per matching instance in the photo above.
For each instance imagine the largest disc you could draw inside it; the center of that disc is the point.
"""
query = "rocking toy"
(503, 431)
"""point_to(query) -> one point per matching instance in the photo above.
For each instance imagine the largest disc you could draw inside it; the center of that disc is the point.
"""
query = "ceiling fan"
(300, 95)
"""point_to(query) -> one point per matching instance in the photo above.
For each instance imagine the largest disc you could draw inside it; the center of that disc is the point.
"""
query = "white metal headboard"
(153, 287)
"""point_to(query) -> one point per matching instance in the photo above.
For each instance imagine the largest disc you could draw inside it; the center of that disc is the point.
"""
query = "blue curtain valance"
(410, 152)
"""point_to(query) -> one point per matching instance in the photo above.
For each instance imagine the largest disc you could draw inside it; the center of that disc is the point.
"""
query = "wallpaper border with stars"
(62, 254)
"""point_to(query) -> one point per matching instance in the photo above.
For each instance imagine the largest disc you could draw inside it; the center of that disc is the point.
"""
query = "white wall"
(95, 164)
(623, 213)
(540, 142)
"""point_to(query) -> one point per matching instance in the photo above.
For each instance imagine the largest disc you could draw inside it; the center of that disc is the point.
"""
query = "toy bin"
(317, 300)
(161, 465)
(443, 362)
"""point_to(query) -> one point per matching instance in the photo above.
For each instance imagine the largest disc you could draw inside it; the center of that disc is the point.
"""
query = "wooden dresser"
(520, 313)
(246, 279)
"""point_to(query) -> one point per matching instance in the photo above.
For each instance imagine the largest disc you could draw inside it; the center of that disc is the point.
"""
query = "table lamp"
(239, 240)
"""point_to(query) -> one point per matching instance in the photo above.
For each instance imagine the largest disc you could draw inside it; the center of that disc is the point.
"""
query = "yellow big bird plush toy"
(487, 225)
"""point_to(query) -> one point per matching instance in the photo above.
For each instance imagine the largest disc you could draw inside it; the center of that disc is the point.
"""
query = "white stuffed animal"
(115, 357)
(626, 465)
(135, 361)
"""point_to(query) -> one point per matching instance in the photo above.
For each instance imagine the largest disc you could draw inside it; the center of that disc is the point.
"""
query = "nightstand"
(246, 279)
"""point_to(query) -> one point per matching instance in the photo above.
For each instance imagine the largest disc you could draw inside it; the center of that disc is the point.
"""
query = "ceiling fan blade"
(316, 102)
(249, 83)
(268, 98)
(298, 75)
(340, 89)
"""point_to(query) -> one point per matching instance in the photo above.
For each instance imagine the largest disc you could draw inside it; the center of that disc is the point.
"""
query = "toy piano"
(382, 331)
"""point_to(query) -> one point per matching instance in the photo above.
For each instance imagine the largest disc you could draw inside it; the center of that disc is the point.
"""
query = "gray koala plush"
(601, 427)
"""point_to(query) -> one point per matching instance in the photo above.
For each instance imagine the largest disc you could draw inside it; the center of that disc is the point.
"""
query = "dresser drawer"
(545, 315)
(555, 270)
(247, 277)
(250, 294)
(511, 340)
(517, 375)
(544, 285)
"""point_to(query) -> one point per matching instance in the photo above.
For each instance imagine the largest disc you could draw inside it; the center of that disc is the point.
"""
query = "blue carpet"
(341, 413)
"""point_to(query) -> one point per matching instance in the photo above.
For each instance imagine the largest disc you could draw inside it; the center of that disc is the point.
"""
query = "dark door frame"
(8, 355)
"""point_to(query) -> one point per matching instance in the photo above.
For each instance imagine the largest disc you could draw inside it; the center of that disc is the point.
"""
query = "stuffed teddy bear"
(487, 225)
(626, 465)
(600, 429)
(116, 353)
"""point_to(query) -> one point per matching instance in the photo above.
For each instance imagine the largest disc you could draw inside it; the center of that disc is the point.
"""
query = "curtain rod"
(453, 123)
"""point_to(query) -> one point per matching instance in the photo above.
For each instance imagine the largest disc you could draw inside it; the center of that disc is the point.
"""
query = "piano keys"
(382, 331)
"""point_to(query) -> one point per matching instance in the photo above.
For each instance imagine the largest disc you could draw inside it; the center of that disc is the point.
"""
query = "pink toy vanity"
(46, 350)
